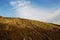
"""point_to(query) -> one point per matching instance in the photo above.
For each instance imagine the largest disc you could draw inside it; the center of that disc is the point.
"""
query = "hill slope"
(23, 29)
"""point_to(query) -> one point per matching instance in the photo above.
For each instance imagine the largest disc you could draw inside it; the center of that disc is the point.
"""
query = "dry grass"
(23, 29)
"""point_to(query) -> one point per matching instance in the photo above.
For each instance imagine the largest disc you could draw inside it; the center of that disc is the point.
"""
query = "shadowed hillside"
(23, 29)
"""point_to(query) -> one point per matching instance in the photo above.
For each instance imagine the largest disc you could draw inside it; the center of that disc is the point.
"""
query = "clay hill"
(24, 29)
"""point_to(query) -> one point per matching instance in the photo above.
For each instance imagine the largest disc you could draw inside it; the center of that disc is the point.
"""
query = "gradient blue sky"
(44, 10)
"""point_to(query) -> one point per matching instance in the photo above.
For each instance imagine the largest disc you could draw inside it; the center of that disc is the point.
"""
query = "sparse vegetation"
(23, 29)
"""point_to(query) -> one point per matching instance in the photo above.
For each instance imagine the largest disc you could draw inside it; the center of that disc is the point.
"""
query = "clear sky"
(42, 10)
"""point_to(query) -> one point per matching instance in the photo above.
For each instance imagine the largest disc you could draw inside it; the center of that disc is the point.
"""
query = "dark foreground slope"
(22, 29)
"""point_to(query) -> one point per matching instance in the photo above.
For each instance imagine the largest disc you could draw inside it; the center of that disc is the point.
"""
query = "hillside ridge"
(24, 29)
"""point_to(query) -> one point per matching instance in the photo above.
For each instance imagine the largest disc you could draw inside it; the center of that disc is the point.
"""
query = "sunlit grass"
(23, 29)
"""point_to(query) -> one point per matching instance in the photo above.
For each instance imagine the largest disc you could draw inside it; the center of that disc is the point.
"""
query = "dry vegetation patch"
(23, 29)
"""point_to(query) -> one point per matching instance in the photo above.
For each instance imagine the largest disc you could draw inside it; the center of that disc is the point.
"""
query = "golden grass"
(23, 29)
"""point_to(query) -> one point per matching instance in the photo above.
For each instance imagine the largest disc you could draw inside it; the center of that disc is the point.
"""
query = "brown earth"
(24, 29)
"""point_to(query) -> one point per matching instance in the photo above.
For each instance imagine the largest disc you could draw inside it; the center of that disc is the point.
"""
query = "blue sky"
(42, 10)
